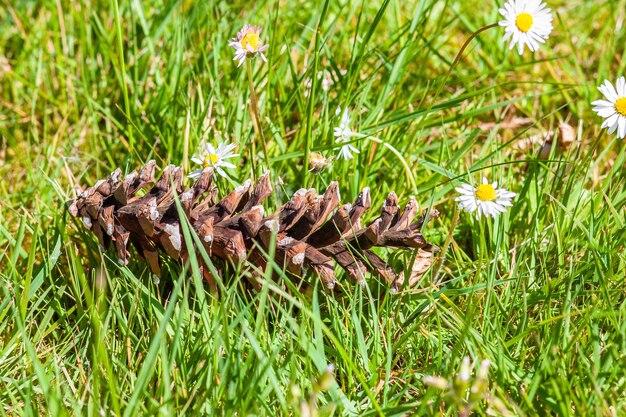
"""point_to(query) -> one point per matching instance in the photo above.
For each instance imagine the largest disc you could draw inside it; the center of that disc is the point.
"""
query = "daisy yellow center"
(524, 21)
(210, 160)
(251, 39)
(620, 106)
(485, 192)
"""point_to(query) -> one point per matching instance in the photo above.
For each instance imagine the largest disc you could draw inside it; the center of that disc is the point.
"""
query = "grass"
(86, 87)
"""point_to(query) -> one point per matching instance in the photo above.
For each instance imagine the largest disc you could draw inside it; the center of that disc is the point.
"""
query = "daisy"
(343, 134)
(248, 43)
(613, 109)
(487, 198)
(209, 156)
(526, 22)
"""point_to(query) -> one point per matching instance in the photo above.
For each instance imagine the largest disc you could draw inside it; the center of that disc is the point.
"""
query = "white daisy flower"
(343, 134)
(248, 43)
(209, 156)
(487, 199)
(526, 22)
(613, 109)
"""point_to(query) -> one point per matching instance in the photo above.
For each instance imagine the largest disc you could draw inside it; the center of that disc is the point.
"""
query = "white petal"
(195, 174)
(609, 91)
(502, 193)
(220, 171)
(471, 205)
(602, 103)
(464, 191)
(621, 132)
(620, 87)
(611, 121)
(605, 112)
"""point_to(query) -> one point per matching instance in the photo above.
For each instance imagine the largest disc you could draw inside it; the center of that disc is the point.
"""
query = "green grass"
(88, 86)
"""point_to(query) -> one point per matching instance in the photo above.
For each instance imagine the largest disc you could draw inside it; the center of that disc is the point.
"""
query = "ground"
(88, 86)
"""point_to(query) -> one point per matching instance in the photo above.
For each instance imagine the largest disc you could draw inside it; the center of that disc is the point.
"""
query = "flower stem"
(397, 153)
(309, 121)
(457, 58)
(256, 117)
(467, 42)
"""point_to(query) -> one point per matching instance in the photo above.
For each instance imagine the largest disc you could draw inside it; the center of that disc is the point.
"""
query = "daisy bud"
(317, 162)
(248, 43)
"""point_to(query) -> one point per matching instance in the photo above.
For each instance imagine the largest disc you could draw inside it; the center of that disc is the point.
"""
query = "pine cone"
(235, 229)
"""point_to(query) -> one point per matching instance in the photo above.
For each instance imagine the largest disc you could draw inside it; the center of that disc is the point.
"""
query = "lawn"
(519, 314)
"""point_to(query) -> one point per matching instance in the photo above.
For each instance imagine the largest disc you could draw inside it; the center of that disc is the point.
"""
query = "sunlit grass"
(539, 291)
